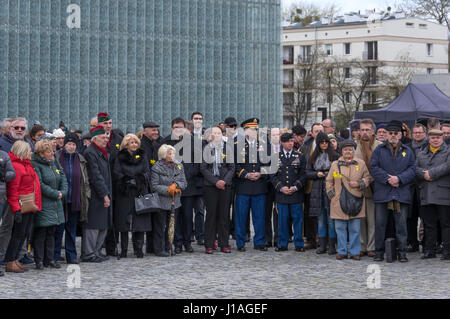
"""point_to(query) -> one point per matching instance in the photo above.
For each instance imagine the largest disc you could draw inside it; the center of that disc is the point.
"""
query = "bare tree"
(395, 82)
(437, 10)
(307, 12)
(307, 78)
(350, 80)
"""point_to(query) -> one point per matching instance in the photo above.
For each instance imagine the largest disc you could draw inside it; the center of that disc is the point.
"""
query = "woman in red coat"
(26, 182)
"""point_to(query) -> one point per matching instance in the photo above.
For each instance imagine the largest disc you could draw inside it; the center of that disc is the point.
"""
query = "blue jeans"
(381, 219)
(353, 226)
(296, 213)
(323, 221)
(70, 239)
(257, 204)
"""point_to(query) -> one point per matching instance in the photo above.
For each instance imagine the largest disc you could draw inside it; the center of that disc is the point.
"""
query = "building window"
(410, 24)
(347, 48)
(348, 97)
(305, 54)
(429, 49)
(329, 97)
(306, 99)
(371, 97)
(371, 52)
(329, 49)
(372, 73)
(347, 74)
(422, 26)
(429, 71)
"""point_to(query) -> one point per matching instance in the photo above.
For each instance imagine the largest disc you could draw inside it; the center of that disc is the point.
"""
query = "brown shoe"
(11, 266)
(356, 257)
(371, 253)
(362, 253)
(20, 265)
(340, 257)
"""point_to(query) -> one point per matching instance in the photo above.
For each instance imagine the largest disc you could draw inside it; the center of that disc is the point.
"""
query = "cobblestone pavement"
(252, 274)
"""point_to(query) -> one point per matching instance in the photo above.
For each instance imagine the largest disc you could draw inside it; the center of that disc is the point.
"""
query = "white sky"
(348, 5)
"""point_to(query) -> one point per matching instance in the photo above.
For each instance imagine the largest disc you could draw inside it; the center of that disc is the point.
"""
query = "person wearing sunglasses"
(393, 168)
(317, 168)
(16, 132)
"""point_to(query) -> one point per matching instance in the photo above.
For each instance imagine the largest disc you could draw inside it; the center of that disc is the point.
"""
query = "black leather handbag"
(350, 204)
(148, 203)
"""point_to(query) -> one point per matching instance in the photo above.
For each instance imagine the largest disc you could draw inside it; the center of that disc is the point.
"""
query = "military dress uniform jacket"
(291, 172)
(251, 163)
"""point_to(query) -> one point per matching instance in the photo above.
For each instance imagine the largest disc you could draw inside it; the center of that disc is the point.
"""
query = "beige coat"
(358, 154)
(358, 173)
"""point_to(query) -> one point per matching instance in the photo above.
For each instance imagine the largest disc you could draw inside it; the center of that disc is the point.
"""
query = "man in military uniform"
(115, 137)
(251, 185)
(289, 181)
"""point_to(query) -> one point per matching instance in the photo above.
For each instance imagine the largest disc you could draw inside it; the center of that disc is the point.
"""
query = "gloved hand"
(178, 191)
(18, 217)
(172, 189)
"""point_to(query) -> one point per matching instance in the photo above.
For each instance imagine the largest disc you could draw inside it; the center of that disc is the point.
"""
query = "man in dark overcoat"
(100, 211)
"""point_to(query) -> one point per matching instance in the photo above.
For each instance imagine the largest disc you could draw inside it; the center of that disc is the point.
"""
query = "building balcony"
(366, 56)
(305, 59)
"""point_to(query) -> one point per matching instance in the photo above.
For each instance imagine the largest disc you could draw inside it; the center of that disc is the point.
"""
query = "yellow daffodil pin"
(404, 154)
(57, 171)
(137, 157)
(179, 166)
(152, 162)
(118, 146)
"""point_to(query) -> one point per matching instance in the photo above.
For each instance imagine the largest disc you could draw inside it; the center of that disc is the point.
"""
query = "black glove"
(18, 217)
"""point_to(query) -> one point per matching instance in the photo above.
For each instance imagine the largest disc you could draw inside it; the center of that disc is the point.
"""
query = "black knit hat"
(322, 137)
(71, 137)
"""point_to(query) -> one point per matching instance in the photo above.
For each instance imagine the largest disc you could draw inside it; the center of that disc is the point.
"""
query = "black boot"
(139, 245)
(332, 246)
(322, 246)
(123, 244)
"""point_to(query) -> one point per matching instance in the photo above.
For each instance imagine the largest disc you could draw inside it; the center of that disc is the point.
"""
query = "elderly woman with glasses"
(351, 173)
(168, 180)
(317, 169)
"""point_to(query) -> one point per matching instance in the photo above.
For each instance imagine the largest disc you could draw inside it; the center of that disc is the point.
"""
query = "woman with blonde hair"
(26, 182)
(54, 190)
(168, 180)
(130, 177)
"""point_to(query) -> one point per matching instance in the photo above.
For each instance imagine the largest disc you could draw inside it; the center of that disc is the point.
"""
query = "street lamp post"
(329, 93)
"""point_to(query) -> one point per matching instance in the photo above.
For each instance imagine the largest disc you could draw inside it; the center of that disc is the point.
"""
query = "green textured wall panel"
(140, 60)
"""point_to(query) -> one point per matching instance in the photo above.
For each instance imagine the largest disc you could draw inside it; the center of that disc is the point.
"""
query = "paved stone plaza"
(252, 274)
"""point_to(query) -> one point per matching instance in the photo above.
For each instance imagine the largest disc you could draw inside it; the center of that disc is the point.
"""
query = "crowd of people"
(342, 194)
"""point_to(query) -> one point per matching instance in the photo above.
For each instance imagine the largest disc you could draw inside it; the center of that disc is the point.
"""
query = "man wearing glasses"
(15, 133)
(393, 168)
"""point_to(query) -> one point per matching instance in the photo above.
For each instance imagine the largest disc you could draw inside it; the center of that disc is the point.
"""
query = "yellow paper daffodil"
(152, 162)
(137, 156)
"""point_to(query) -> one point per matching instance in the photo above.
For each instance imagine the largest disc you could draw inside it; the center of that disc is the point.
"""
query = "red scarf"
(103, 150)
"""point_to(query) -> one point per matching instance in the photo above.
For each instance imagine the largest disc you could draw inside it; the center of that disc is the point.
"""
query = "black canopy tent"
(417, 101)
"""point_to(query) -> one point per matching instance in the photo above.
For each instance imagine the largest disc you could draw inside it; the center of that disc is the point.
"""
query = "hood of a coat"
(15, 158)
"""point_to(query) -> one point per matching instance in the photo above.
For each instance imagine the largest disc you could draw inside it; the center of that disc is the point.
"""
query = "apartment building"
(382, 44)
